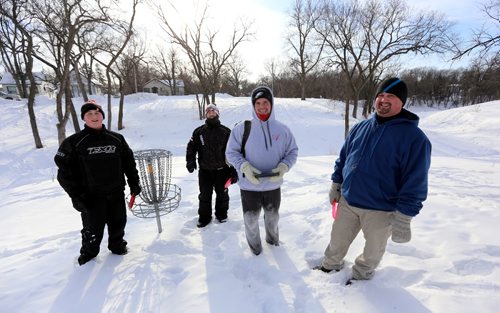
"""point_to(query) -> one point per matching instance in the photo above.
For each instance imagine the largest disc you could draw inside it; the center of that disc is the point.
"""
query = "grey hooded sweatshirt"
(268, 144)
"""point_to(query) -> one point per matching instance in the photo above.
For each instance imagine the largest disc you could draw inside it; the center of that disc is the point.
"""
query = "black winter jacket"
(209, 142)
(94, 162)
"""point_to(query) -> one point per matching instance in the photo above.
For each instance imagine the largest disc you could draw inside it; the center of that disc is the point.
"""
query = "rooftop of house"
(168, 82)
(7, 78)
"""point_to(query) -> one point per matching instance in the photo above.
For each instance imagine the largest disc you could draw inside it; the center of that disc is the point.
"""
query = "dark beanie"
(262, 92)
(395, 86)
(91, 105)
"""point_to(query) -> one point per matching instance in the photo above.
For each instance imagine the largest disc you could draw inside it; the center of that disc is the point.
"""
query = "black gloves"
(135, 190)
(233, 174)
(79, 204)
(191, 167)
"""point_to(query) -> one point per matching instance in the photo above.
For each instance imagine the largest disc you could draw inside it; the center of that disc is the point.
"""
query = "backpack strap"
(246, 132)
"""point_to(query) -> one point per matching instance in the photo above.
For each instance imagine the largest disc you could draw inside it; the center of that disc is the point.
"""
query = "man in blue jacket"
(270, 151)
(379, 182)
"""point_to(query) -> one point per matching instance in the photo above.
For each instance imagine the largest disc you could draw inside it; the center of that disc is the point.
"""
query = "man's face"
(211, 113)
(262, 106)
(387, 104)
(93, 119)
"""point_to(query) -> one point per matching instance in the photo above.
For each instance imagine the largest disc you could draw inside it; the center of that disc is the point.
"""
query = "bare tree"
(120, 33)
(90, 42)
(15, 12)
(60, 23)
(129, 65)
(362, 37)
(272, 67)
(307, 53)
(168, 65)
(236, 69)
(199, 44)
(13, 45)
(484, 40)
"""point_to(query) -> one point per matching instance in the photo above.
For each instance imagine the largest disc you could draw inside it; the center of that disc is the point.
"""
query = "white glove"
(334, 193)
(250, 171)
(401, 231)
(281, 169)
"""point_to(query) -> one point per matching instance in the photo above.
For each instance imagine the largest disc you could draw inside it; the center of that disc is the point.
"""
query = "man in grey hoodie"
(270, 152)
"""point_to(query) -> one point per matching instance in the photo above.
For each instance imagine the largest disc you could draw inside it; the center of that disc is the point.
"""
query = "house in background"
(45, 87)
(95, 87)
(162, 87)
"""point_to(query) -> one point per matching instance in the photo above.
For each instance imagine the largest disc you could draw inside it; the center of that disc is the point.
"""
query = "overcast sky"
(270, 19)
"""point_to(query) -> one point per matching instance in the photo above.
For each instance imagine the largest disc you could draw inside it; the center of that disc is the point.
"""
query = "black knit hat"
(395, 86)
(91, 105)
(262, 92)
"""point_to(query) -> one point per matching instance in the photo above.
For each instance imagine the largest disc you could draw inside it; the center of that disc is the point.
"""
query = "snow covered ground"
(452, 263)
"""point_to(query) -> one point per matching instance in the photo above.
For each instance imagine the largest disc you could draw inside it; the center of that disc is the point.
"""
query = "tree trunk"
(366, 108)
(61, 127)
(81, 86)
(346, 120)
(71, 108)
(34, 127)
(303, 87)
(213, 97)
(61, 118)
(120, 106)
(201, 105)
(355, 107)
(31, 111)
(32, 92)
(108, 77)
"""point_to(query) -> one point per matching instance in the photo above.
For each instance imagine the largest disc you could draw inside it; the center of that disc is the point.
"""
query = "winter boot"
(203, 223)
(84, 258)
(121, 249)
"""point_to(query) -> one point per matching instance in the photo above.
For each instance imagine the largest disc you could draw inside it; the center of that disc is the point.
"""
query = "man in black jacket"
(209, 142)
(92, 164)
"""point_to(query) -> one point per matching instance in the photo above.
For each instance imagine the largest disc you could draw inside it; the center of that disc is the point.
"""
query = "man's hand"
(79, 204)
(250, 171)
(135, 190)
(233, 174)
(335, 193)
(191, 167)
(281, 169)
(401, 230)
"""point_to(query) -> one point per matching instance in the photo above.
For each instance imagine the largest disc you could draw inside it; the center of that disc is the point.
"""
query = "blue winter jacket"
(268, 144)
(385, 166)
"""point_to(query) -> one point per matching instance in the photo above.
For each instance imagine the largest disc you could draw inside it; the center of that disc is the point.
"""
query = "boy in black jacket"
(92, 164)
(209, 142)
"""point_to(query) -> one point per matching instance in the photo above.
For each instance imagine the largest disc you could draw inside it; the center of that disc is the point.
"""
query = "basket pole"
(155, 198)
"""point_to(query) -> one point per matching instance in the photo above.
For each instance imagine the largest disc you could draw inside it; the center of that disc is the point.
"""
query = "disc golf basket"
(158, 196)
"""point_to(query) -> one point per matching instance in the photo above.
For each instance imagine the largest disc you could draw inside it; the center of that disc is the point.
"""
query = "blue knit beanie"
(395, 86)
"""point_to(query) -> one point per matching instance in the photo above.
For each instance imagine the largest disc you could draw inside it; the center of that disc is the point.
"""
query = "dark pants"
(208, 181)
(253, 202)
(107, 210)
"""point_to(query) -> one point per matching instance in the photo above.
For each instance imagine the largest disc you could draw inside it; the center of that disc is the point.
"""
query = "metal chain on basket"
(161, 163)
(158, 196)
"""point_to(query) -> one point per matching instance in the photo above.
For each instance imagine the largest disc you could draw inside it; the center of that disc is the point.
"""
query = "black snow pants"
(104, 210)
(208, 181)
